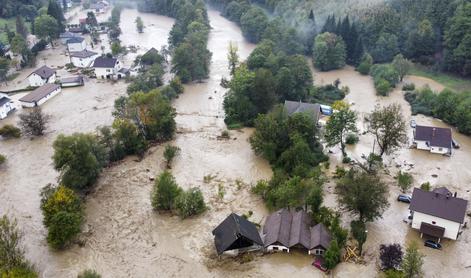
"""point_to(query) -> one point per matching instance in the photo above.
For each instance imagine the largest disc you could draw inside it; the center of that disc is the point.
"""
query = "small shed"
(6, 106)
(40, 95)
(236, 234)
(72, 81)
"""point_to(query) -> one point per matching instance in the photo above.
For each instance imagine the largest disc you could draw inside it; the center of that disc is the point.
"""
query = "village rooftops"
(44, 72)
(40, 93)
(83, 54)
(435, 136)
(293, 107)
(68, 34)
(104, 62)
(434, 203)
(235, 232)
(320, 236)
(75, 40)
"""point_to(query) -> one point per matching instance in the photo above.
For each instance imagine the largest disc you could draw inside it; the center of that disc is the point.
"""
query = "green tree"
(128, 137)
(21, 27)
(55, 11)
(412, 262)
(401, 65)
(2, 159)
(4, 68)
(233, 57)
(139, 24)
(253, 24)
(165, 192)
(315, 198)
(89, 274)
(190, 203)
(116, 48)
(34, 122)
(457, 41)
(390, 255)
(388, 127)
(404, 181)
(79, 158)
(10, 131)
(365, 64)
(332, 255)
(422, 41)
(329, 52)
(362, 194)
(91, 19)
(386, 48)
(169, 154)
(46, 27)
(18, 44)
(359, 233)
(340, 124)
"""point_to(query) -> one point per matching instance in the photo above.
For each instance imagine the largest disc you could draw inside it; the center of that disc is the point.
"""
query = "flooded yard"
(123, 237)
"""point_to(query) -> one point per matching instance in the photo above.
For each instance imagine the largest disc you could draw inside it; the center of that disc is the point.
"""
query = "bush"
(352, 139)
(329, 52)
(190, 202)
(408, 87)
(10, 131)
(404, 181)
(346, 160)
(2, 159)
(383, 87)
(425, 186)
(89, 274)
(225, 134)
(170, 153)
(34, 121)
(165, 192)
(63, 216)
(365, 64)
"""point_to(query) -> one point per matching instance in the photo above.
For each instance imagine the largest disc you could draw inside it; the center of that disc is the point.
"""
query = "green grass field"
(450, 81)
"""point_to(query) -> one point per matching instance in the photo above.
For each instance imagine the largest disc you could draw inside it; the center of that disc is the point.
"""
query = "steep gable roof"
(4, 99)
(44, 72)
(104, 62)
(436, 136)
(439, 205)
(288, 228)
(233, 228)
(40, 93)
(75, 40)
(320, 237)
(83, 54)
(312, 109)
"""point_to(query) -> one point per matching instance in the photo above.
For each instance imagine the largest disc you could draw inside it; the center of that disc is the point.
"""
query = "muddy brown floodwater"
(123, 237)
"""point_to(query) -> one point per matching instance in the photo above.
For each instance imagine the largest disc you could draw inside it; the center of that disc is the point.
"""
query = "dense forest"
(188, 37)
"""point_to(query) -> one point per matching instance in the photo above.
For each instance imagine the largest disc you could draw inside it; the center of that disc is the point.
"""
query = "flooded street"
(124, 237)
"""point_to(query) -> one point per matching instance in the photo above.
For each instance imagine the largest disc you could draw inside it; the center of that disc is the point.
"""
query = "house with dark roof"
(312, 109)
(40, 95)
(83, 59)
(6, 106)
(76, 44)
(438, 213)
(64, 37)
(434, 139)
(286, 229)
(42, 76)
(107, 68)
(235, 235)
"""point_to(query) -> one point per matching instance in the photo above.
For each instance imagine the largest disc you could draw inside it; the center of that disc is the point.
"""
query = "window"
(440, 149)
(275, 248)
(433, 222)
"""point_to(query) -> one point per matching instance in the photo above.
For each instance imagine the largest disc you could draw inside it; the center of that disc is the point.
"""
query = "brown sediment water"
(123, 237)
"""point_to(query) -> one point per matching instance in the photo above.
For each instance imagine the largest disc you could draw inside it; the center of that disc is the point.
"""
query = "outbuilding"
(434, 139)
(72, 81)
(6, 106)
(42, 76)
(40, 95)
(83, 59)
(312, 109)
(438, 213)
(236, 235)
(76, 44)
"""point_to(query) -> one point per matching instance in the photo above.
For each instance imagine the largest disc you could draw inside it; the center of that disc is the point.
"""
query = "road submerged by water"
(123, 237)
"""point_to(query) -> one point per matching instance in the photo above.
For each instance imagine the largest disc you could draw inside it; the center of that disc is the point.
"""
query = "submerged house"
(434, 139)
(235, 235)
(76, 44)
(72, 81)
(312, 109)
(40, 95)
(83, 59)
(106, 68)
(42, 76)
(437, 213)
(6, 106)
(288, 229)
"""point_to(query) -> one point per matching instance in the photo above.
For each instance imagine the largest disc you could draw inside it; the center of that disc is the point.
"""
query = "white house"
(6, 106)
(76, 44)
(42, 76)
(40, 95)
(437, 213)
(434, 139)
(106, 68)
(83, 59)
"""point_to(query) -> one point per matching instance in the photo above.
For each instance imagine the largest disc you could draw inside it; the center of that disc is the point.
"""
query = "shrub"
(34, 121)
(346, 160)
(408, 87)
(165, 192)
(10, 131)
(391, 256)
(62, 212)
(332, 255)
(352, 139)
(190, 202)
(365, 64)
(89, 274)
(225, 134)
(2, 159)
(425, 186)
(383, 87)
(404, 181)
(170, 153)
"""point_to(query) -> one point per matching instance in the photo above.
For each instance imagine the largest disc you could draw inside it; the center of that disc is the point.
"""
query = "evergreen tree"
(55, 10)
(330, 25)
(20, 27)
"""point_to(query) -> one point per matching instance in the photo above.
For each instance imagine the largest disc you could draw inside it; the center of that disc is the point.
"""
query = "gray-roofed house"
(76, 44)
(40, 95)
(438, 213)
(42, 76)
(434, 139)
(6, 106)
(236, 235)
(313, 109)
(106, 68)
(83, 59)
(286, 229)
(72, 81)
(64, 37)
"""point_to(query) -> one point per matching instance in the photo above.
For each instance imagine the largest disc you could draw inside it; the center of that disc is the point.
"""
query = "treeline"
(449, 106)
(188, 37)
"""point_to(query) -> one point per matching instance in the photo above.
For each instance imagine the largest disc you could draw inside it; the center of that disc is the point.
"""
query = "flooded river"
(123, 237)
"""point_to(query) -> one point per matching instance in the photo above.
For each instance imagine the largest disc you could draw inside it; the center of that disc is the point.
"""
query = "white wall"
(101, 73)
(75, 47)
(440, 150)
(43, 100)
(4, 109)
(36, 80)
(422, 145)
(280, 248)
(83, 62)
(451, 228)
